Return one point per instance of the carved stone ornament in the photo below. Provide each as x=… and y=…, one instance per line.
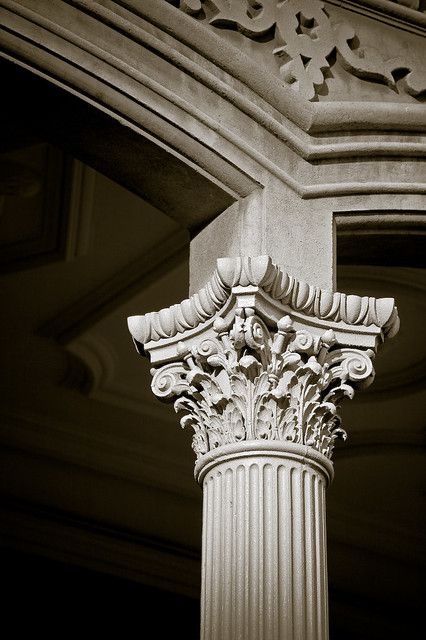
x=257, y=355
x=309, y=43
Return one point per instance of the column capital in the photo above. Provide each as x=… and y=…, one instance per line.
x=259, y=355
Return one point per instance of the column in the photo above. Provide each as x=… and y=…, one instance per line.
x=264, y=542
x=257, y=364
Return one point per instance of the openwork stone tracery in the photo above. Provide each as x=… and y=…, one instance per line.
x=308, y=43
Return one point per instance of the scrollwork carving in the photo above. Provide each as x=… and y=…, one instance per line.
x=237, y=371
x=308, y=43
x=250, y=383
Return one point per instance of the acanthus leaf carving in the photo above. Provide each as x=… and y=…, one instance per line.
x=258, y=355
x=248, y=383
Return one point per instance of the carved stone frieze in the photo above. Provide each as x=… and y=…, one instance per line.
x=244, y=359
x=308, y=43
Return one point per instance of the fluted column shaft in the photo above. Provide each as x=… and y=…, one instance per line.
x=264, y=567
x=258, y=364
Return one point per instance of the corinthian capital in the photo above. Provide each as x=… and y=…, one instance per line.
x=258, y=355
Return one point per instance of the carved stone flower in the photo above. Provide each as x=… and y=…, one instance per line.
x=250, y=366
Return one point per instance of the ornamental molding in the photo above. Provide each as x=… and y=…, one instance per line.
x=308, y=43
x=49, y=42
x=257, y=355
x=411, y=4
x=406, y=14
x=57, y=192
x=259, y=283
x=252, y=384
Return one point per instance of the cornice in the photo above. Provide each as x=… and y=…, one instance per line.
x=392, y=12
x=305, y=37
x=383, y=221
x=233, y=274
x=309, y=117
x=315, y=131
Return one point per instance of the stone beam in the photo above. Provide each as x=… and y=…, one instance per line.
x=297, y=234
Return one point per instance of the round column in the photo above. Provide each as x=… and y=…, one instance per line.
x=264, y=564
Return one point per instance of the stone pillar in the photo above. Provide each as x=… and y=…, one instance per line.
x=258, y=364
x=264, y=571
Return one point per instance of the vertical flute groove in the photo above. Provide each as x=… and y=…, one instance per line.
x=291, y=553
x=304, y=589
x=247, y=567
x=314, y=623
x=253, y=546
x=261, y=551
x=270, y=543
x=318, y=556
x=324, y=572
x=233, y=563
x=218, y=565
x=264, y=551
x=239, y=556
x=309, y=556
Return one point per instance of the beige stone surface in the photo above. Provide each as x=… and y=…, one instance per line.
x=311, y=160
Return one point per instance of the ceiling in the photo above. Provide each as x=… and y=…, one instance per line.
x=97, y=473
